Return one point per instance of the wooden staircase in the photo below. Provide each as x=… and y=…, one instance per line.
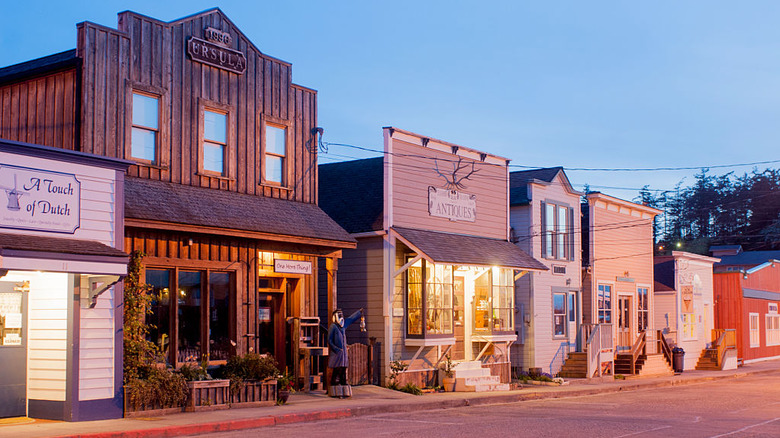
x=655, y=365
x=708, y=360
x=576, y=366
x=623, y=363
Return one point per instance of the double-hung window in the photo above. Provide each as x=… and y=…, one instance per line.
x=557, y=231
x=145, y=133
x=773, y=330
x=605, y=304
x=559, y=314
x=755, y=334
x=275, y=154
x=214, y=141
x=642, y=308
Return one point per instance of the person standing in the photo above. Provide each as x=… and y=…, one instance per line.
x=338, y=360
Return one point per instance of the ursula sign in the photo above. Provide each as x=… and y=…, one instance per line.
x=453, y=205
x=39, y=200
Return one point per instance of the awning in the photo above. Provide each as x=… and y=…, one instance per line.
x=26, y=252
x=458, y=249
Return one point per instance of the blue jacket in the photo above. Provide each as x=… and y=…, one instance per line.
x=337, y=342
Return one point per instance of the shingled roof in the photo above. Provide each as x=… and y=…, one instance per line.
x=518, y=182
x=59, y=245
x=182, y=204
x=469, y=250
x=352, y=193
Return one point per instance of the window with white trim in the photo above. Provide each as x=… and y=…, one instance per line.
x=559, y=314
x=429, y=299
x=214, y=141
x=557, y=233
x=755, y=334
x=145, y=132
x=643, y=313
x=605, y=304
x=688, y=327
x=773, y=330
x=275, y=154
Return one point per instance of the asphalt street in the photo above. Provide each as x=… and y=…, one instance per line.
x=744, y=407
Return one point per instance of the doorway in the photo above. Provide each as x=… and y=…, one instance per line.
x=459, y=309
x=277, y=301
x=624, y=324
x=13, y=349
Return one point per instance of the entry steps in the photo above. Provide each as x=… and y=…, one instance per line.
x=471, y=377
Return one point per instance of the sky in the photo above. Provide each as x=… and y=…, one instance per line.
x=583, y=85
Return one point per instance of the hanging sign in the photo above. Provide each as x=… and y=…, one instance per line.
x=452, y=205
x=39, y=200
x=292, y=266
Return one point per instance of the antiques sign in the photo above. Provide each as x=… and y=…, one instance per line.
x=452, y=205
x=292, y=266
x=40, y=200
x=215, y=53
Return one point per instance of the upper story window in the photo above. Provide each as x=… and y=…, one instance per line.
x=557, y=231
x=275, y=154
x=214, y=141
x=146, y=127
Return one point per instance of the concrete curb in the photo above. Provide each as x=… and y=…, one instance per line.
x=363, y=411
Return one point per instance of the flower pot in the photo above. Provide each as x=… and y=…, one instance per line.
x=448, y=383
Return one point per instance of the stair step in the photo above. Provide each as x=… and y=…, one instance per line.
x=458, y=373
x=491, y=387
x=482, y=380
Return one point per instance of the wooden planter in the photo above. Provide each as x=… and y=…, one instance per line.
x=254, y=393
x=207, y=395
x=145, y=410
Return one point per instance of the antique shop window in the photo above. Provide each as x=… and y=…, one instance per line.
x=214, y=141
x=642, y=308
x=429, y=289
x=604, y=304
x=557, y=231
x=755, y=334
x=146, y=127
x=275, y=154
x=773, y=330
x=493, y=300
x=559, y=314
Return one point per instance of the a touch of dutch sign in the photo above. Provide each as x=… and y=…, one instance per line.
x=39, y=200
x=292, y=266
x=452, y=205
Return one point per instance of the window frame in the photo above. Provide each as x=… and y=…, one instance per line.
x=229, y=153
x=558, y=239
x=599, y=308
x=286, y=125
x=642, y=308
x=424, y=309
x=772, y=329
x=162, y=144
x=754, y=330
x=564, y=316
x=689, y=327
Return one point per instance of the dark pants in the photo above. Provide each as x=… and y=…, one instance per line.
x=338, y=374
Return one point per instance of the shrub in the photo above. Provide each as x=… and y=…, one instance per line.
x=251, y=366
x=411, y=388
x=156, y=388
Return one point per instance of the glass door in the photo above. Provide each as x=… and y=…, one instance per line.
x=13, y=349
x=624, y=323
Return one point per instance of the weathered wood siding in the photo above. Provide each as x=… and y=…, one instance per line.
x=41, y=110
x=148, y=54
x=412, y=175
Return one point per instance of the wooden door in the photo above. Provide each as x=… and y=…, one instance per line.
x=624, y=323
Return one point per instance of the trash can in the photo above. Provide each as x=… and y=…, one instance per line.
x=678, y=359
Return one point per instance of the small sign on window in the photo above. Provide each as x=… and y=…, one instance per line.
x=773, y=308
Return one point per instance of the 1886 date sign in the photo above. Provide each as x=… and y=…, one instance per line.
x=215, y=53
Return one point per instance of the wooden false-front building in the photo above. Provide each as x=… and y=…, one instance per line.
x=221, y=195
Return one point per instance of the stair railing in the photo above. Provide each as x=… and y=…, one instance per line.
x=724, y=339
x=664, y=346
x=637, y=350
x=599, y=347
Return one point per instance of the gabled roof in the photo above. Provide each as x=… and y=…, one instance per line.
x=181, y=204
x=352, y=193
x=518, y=183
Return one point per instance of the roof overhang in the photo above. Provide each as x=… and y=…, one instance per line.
x=51, y=254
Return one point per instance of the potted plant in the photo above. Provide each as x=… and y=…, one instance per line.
x=284, y=384
x=447, y=374
x=206, y=393
x=252, y=378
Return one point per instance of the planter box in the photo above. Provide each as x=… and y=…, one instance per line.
x=207, y=395
x=253, y=393
x=145, y=409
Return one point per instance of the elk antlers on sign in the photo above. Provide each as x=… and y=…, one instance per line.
x=453, y=180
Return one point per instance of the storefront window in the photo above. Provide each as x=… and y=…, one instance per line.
x=159, y=320
x=482, y=300
x=429, y=299
x=493, y=300
x=189, y=299
x=219, y=316
x=688, y=326
x=559, y=314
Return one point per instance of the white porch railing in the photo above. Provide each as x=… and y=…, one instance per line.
x=599, y=347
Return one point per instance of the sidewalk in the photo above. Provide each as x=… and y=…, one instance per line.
x=367, y=400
